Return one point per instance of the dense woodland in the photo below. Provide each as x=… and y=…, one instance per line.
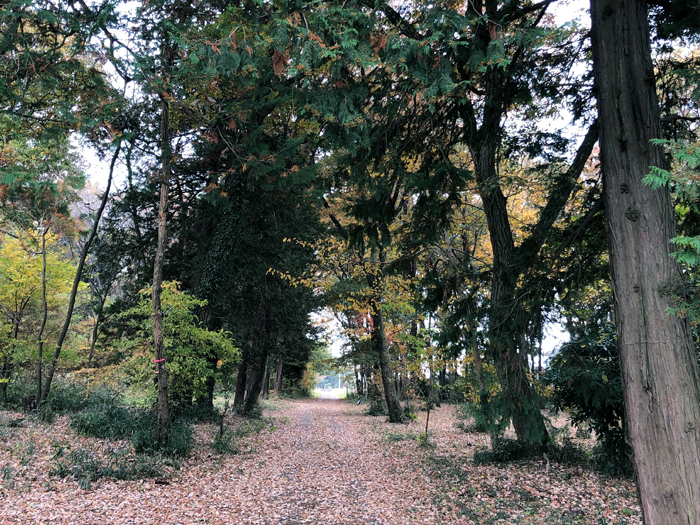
x=443, y=181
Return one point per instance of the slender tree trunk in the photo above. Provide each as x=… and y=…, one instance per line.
x=5, y=376
x=358, y=381
x=659, y=365
x=278, y=375
x=45, y=314
x=76, y=281
x=241, y=377
x=163, y=422
x=478, y=365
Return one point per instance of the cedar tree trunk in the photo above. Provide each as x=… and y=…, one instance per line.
x=659, y=365
x=45, y=315
x=242, y=375
x=251, y=400
x=381, y=347
x=163, y=421
x=507, y=320
x=278, y=375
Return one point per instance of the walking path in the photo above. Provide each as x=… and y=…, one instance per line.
x=317, y=461
x=320, y=465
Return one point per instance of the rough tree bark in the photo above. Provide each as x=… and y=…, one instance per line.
x=381, y=347
x=163, y=419
x=659, y=367
x=279, y=364
x=507, y=320
x=251, y=400
x=242, y=376
x=265, y=394
x=45, y=312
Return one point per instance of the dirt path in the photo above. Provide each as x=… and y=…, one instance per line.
x=316, y=462
x=319, y=465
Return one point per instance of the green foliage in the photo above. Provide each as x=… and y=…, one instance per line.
x=190, y=349
x=223, y=443
x=86, y=465
x=489, y=415
x=106, y=422
x=377, y=407
x=586, y=380
x=67, y=396
x=180, y=440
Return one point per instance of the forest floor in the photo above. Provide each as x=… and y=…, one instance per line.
x=314, y=461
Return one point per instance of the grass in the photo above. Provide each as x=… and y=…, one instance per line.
x=86, y=465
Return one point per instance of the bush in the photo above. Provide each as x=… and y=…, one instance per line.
x=118, y=422
x=377, y=407
x=223, y=443
x=488, y=416
x=586, y=380
x=504, y=450
x=86, y=465
x=179, y=444
x=66, y=396
x=106, y=422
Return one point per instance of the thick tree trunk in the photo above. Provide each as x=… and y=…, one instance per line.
x=507, y=320
x=241, y=377
x=659, y=366
x=265, y=394
x=251, y=400
x=381, y=347
x=279, y=365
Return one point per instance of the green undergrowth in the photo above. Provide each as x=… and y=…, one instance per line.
x=116, y=422
x=227, y=441
x=89, y=464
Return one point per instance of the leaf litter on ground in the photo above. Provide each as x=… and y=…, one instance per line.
x=314, y=461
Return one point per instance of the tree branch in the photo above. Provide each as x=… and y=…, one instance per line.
x=558, y=197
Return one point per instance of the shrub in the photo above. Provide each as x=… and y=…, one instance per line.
x=377, y=407
x=118, y=422
x=86, y=465
x=106, y=422
x=223, y=443
x=179, y=444
x=586, y=380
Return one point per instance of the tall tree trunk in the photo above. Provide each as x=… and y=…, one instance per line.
x=163, y=422
x=96, y=330
x=358, y=380
x=478, y=365
x=45, y=313
x=242, y=376
x=506, y=322
x=251, y=400
x=265, y=394
x=381, y=347
x=659, y=366
x=279, y=365
x=76, y=280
